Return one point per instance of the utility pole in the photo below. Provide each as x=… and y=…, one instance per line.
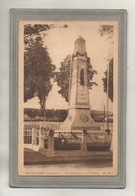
x=107, y=92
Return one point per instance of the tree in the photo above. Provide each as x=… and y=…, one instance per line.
x=109, y=89
x=36, y=29
x=108, y=31
x=38, y=71
x=63, y=76
x=38, y=68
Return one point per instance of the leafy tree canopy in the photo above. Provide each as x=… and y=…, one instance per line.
x=108, y=88
x=38, y=67
x=38, y=71
x=63, y=76
x=38, y=28
x=108, y=31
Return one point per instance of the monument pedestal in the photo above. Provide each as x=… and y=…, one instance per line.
x=79, y=119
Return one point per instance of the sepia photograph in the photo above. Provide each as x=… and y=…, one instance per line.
x=68, y=98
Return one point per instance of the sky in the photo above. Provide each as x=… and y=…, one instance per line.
x=60, y=43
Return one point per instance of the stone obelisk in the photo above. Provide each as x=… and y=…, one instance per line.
x=79, y=117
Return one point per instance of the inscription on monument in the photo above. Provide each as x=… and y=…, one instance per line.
x=82, y=95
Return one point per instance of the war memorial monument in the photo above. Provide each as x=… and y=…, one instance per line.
x=79, y=138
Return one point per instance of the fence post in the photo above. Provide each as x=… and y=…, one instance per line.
x=50, y=151
x=83, y=143
x=41, y=140
x=33, y=136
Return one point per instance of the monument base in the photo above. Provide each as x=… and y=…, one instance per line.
x=79, y=119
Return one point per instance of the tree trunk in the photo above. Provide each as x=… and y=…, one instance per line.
x=43, y=110
x=44, y=116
